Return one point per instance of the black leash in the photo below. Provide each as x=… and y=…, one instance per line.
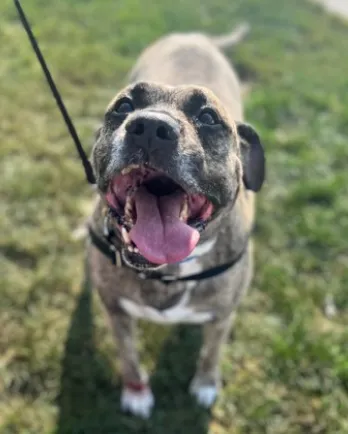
x=110, y=251
x=86, y=164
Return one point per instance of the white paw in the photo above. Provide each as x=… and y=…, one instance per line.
x=205, y=395
x=139, y=403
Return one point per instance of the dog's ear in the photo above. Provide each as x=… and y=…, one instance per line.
x=253, y=157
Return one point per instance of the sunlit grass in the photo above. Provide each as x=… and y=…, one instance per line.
x=286, y=369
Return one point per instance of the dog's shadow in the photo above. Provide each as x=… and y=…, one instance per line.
x=89, y=398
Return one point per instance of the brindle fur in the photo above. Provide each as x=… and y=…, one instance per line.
x=183, y=61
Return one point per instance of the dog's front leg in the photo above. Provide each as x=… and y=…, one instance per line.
x=206, y=382
x=136, y=394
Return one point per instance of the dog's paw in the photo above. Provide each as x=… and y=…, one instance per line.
x=137, y=401
x=205, y=394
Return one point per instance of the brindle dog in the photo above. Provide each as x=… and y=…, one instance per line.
x=176, y=169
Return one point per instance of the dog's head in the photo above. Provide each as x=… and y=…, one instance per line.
x=169, y=161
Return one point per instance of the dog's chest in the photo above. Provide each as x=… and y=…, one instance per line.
x=182, y=311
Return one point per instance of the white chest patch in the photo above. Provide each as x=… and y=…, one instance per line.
x=180, y=313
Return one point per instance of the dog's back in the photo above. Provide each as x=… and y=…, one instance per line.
x=194, y=58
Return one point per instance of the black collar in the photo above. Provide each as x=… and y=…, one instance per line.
x=105, y=246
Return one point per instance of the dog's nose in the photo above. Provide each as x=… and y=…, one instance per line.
x=153, y=130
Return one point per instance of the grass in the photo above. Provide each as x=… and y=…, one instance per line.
x=286, y=366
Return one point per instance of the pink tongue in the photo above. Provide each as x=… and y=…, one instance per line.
x=159, y=234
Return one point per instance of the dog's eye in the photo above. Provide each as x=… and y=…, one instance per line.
x=208, y=117
x=124, y=106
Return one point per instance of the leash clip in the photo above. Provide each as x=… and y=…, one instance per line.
x=165, y=278
x=168, y=278
x=142, y=276
x=106, y=231
x=117, y=259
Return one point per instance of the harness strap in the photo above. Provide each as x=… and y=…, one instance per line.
x=106, y=247
x=111, y=252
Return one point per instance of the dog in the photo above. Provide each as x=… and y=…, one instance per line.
x=177, y=169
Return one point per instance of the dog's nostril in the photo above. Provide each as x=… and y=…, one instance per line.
x=163, y=133
x=139, y=129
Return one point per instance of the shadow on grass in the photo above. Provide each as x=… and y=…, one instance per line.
x=89, y=400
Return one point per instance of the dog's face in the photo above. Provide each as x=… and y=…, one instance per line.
x=169, y=161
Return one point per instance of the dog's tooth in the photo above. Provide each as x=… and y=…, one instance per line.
x=126, y=170
x=205, y=207
x=130, y=248
x=184, y=210
x=135, y=250
x=129, y=168
x=125, y=235
x=128, y=208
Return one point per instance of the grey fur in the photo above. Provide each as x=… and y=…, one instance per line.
x=169, y=71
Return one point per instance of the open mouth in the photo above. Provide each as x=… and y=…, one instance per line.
x=159, y=220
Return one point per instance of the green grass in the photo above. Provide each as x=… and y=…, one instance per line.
x=286, y=367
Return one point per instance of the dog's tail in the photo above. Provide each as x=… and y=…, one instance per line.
x=231, y=39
